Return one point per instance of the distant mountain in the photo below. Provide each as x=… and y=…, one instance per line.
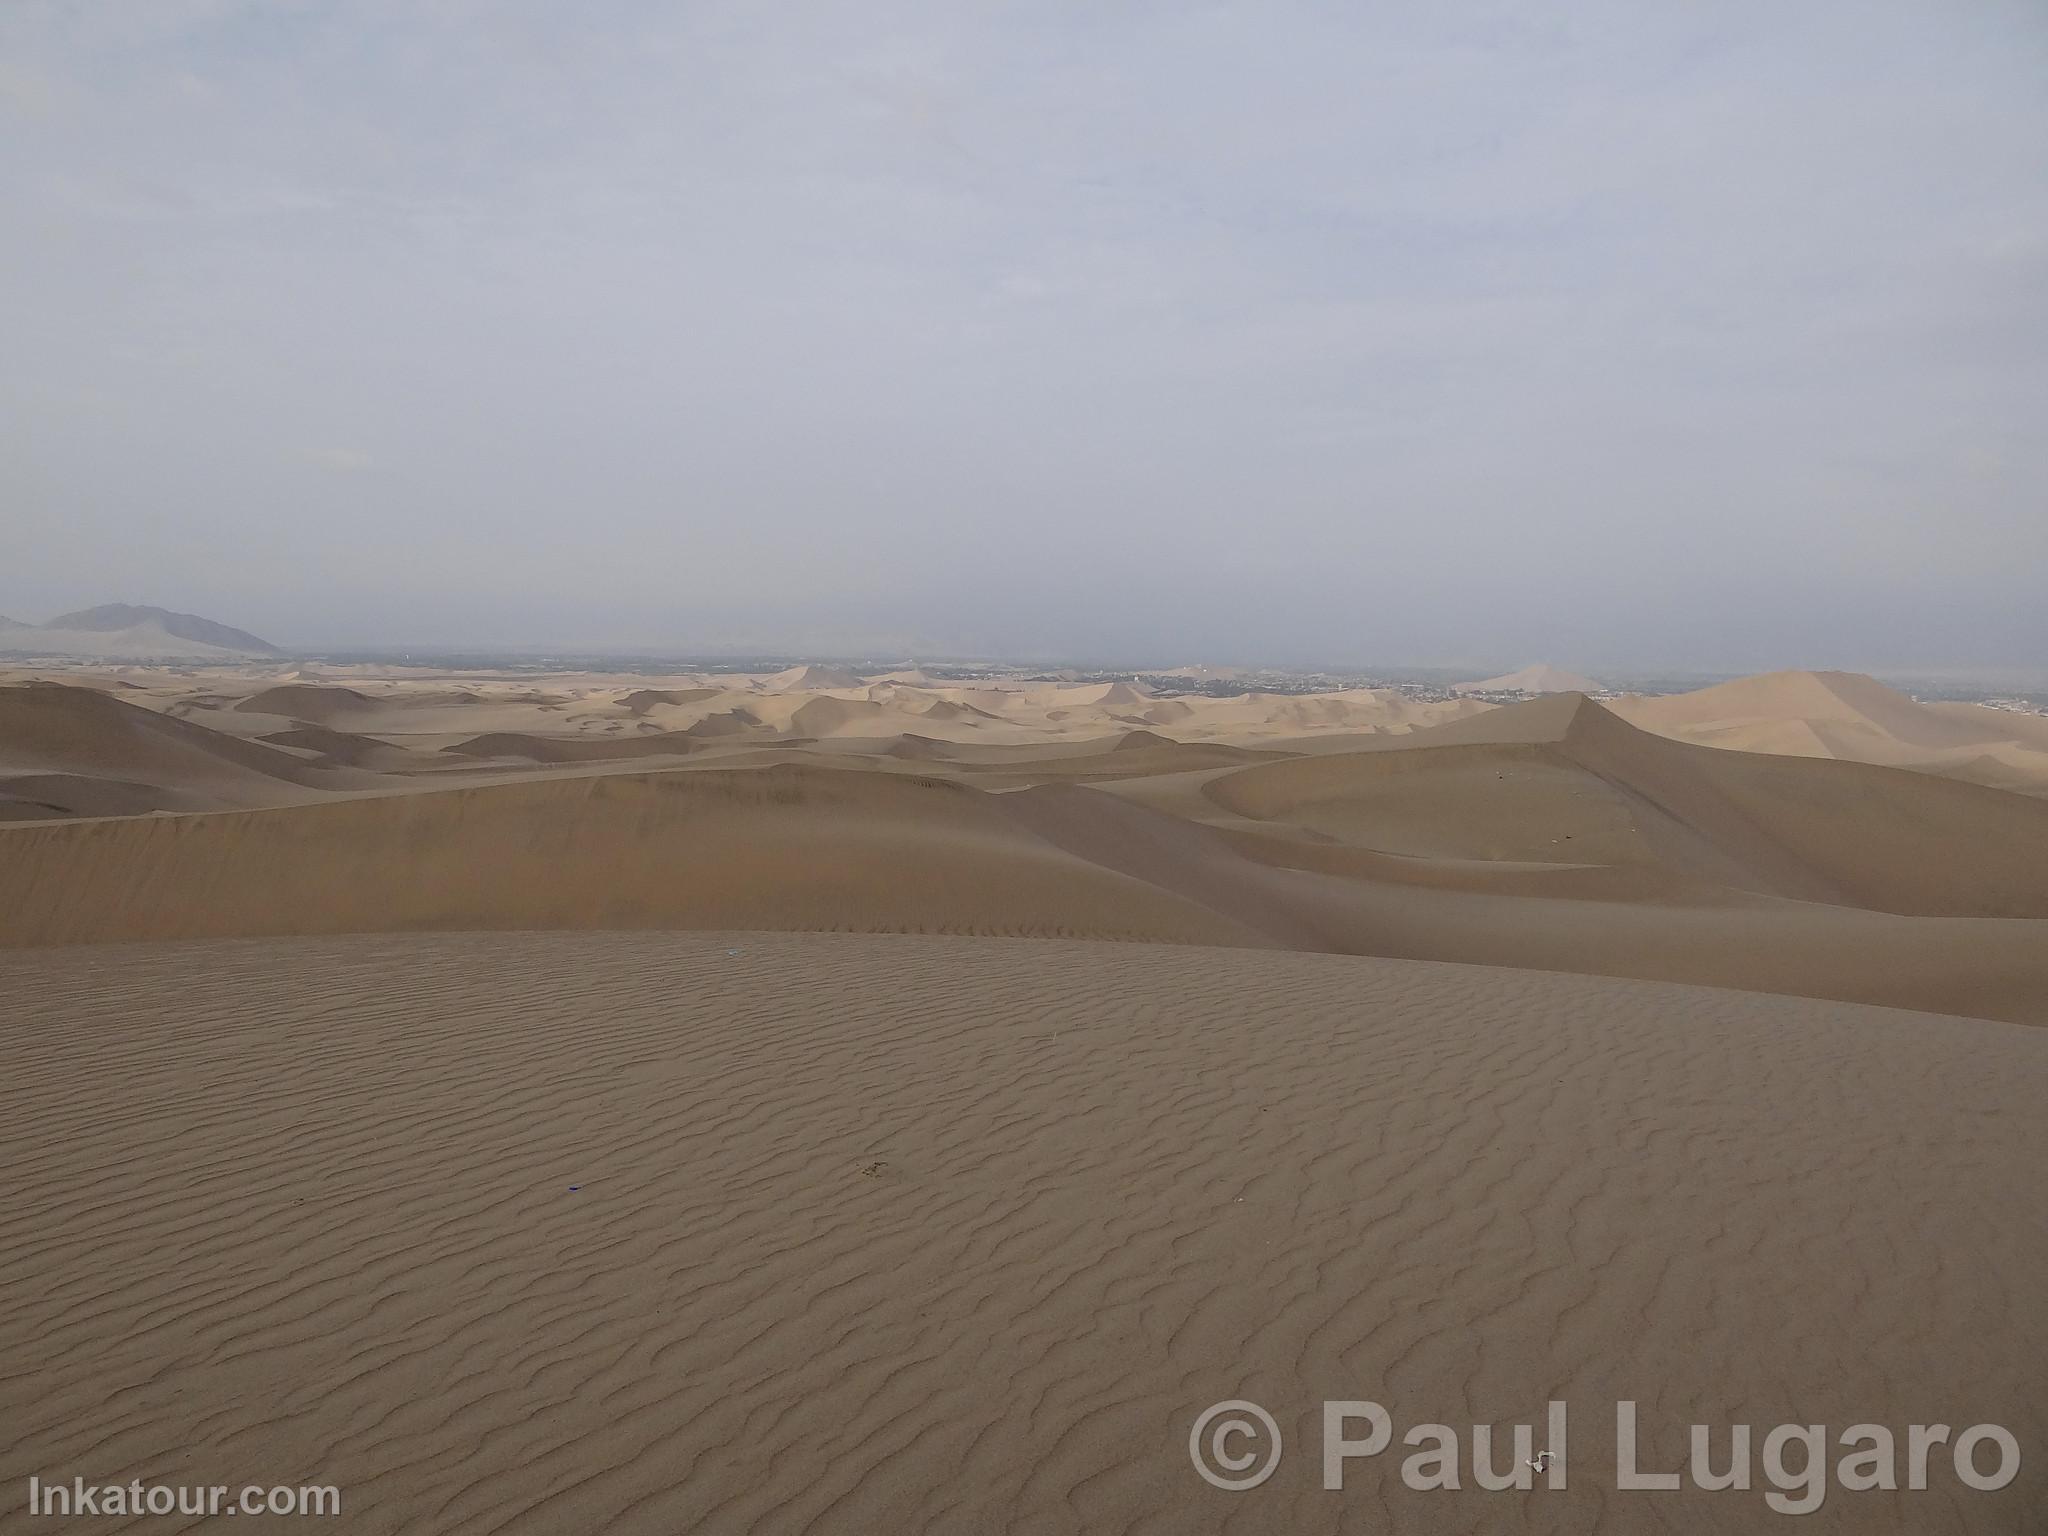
x=1541, y=678
x=127, y=632
x=112, y=617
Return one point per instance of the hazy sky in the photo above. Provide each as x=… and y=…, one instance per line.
x=1667, y=333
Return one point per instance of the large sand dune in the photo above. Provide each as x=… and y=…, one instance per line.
x=786, y=847
x=787, y=1233
x=82, y=751
x=1526, y=780
x=1845, y=715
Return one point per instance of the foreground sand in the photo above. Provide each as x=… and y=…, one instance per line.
x=877, y=1234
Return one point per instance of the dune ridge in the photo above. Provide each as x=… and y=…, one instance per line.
x=801, y=845
x=785, y=846
x=1545, y=834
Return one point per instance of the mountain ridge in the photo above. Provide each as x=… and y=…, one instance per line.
x=130, y=631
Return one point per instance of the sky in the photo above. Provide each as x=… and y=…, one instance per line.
x=1636, y=332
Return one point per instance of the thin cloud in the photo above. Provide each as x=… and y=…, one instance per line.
x=1082, y=328
x=342, y=461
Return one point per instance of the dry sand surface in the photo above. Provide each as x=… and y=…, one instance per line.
x=784, y=1232
x=323, y=989
x=1551, y=834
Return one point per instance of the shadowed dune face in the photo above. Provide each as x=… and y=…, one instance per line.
x=51, y=723
x=45, y=796
x=1563, y=780
x=343, y=747
x=95, y=754
x=730, y=722
x=551, y=749
x=1507, y=803
x=314, y=703
x=733, y=1232
x=641, y=700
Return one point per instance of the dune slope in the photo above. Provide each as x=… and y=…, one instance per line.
x=151, y=760
x=781, y=847
x=804, y=846
x=1850, y=716
x=1565, y=780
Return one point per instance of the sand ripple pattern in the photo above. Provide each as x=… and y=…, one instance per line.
x=888, y=1234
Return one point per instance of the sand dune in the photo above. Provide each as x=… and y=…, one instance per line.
x=915, y=677
x=1543, y=834
x=948, y=709
x=1998, y=724
x=1107, y=695
x=1846, y=715
x=641, y=700
x=827, y=716
x=1815, y=698
x=103, y=751
x=49, y=723
x=1137, y=741
x=752, y=1233
x=50, y=796
x=2021, y=771
x=1463, y=851
x=787, y=846
x=1561, y=779
x=1102, y=760
x=725, y=722
x=342, y=747
x=916, y=748
x=557, y=749
x=811, y=678
x=1366, y=710
x=316, y=703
